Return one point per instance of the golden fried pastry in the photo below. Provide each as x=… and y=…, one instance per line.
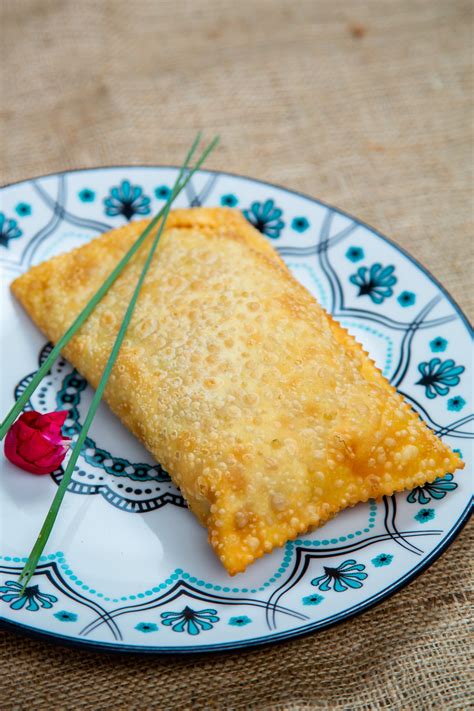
x=266, y=413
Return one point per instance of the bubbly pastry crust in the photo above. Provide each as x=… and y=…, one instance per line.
x=266, y=413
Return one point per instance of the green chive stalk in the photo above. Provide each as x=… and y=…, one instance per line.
x=90, y=306
x=30, y=565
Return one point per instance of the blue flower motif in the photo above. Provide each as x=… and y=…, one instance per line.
x=240, y=621
x=8, y=230
x=86, y=195
x=300, y=224
x=31, y=599
x=127, y=200
x=455, y=404
x=23, y=209
x=146, y=627
x=383, y=559
x=438, y=344
x=347, y=575
x=64, y=616
x=314, y=599
x=375, y=282
x=425, y=515
x=162, y=192
x=355, y=254
x=436, y=490
x=229, y=200
x=191, y=621
x=438, y=376
x=406, y=298
x=265, y=217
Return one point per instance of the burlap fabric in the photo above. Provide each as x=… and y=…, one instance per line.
x=367, y=105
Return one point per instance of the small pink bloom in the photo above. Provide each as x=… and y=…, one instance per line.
x=35, y=442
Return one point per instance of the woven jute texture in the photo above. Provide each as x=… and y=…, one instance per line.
x=366, y=105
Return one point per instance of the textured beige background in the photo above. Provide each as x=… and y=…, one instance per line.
x=365, y=104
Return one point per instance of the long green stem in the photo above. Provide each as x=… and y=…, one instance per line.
x=86, y=312
x=30, y=565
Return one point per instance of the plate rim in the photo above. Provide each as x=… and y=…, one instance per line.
x=259, y=642
x=88, y=645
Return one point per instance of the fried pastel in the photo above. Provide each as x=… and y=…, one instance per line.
x=267, y=414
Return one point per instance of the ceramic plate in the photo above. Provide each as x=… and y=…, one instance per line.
x=128, y=567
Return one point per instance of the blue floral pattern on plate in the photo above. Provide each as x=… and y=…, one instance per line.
x=240, y=621
x=23, y=209
x=8, y=230
x=146, y=627
x=456, y=404
x=65, y=616
x=347, y=575
x=425, y=515
x=86, y=195
x=266, y=218
x=438, y=344
x=31, y=599
x=406, y=298
x=229, y=200
x=127, y=200
x=299, y=224
x=313, y=599
x=436, y=490
x=439, y=376
x=355, y=254
x=375, y=282
x=162, y=192
x=382, y=560
x=191, y=621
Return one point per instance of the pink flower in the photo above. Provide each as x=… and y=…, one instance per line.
x=35, y=442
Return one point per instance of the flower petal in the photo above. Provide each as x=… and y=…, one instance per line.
x=347, y=564
x=125, y=189
x=377, y=298
x=169, y=617
x=32, y=605
x=20, y=603
x=325, y=586
x=422, y=498
x=352, y=583
x=179, y=626
x=193, y=629
x=137, y=191
x=339, y=585
x=203, y=624
x=266, y=209
x=9, y=584
x=8, y=597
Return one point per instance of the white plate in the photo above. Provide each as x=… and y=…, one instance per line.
x=127, y=567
